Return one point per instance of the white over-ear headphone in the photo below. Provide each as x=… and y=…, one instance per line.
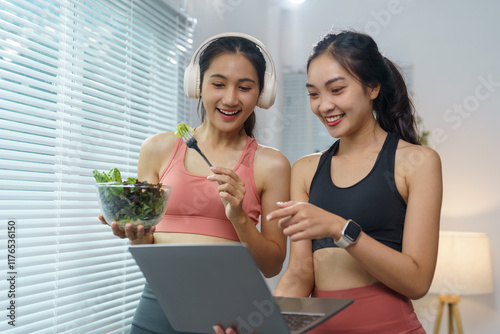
x=192, y=73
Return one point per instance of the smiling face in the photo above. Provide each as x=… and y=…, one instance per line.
x=230, y=90
x=339, y=100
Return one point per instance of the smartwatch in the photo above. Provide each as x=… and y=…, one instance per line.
x=350, y=234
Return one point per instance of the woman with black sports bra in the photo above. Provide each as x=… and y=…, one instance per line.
x=364, y=216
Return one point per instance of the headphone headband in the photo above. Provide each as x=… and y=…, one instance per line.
x=192, y=73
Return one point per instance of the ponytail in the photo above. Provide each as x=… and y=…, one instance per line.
x=358, y=54
x=393, y=107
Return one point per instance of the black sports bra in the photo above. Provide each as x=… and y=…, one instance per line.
x=374, y=202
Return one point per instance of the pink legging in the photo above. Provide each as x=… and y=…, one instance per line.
x=376, y=310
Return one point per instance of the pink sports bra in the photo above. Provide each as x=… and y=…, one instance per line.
x=195, y=206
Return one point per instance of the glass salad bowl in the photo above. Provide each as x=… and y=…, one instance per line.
x=137, y=203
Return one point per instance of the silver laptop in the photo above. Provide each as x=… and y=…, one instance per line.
x=200, y=285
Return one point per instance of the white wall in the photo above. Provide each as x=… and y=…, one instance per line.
x=454, y=49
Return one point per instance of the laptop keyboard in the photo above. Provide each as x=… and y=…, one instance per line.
x=296, y=321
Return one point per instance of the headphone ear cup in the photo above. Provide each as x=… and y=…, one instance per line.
x=192, y=80
x=268, y=94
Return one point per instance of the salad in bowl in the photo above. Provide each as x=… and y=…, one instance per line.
x=130, y=201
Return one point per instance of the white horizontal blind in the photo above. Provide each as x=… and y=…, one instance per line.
x=82, y=84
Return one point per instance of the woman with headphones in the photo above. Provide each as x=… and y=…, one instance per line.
x=222, y=203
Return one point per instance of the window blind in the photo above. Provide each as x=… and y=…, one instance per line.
x=82, y=84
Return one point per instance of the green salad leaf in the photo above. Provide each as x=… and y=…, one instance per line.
x=182, y=129
x=113, y=175
x=101, y=177
x=140, y=203
x=131, y=180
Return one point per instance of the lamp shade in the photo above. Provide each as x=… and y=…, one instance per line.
x=463, y=264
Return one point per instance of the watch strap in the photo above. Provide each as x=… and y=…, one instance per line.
x=342, y=242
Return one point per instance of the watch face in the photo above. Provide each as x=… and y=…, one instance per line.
x=352, y=231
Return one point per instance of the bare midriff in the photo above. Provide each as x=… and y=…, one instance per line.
x=184, y=238
x=335, y=269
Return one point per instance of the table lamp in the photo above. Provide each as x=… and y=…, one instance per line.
x=463, y=268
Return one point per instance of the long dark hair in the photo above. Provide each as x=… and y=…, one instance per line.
x=235, y=45
x=358, y=54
